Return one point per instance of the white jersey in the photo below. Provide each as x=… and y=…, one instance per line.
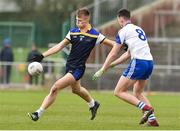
x=136, y=40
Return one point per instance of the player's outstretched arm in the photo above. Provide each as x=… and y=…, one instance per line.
x=125, y=56
x=111, y=56
x=39, y=57
x=109, y=42
x=56, y=48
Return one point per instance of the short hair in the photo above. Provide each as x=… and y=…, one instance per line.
x=124, y=13
x=82, y=11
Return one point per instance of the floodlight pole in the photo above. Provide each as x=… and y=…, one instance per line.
x=95, y=23
x=124, y=3
x=96, y=13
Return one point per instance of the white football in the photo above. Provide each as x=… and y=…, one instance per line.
x=35, y=68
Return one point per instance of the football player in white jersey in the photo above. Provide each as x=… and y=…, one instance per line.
x=138, y=70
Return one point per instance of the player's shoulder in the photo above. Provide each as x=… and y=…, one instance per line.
x=93, y=31
x=128, y=28
x=74, y=30
x=132, y=27
x=122, y=30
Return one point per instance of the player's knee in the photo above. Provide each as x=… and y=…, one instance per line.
x=118, y=93
x=75, y=90
x=54, y=89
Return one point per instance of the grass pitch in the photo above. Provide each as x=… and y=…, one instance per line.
x=69, y=112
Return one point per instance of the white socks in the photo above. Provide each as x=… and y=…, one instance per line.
x=151, y=117
x=40, y=111
x=91, y=103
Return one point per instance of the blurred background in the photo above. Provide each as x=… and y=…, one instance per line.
x=31, y=26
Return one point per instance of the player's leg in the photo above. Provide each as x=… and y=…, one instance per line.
x=36, y=80
x=125, y=82
x=137, y=91
x=84, y=94
x=81, y=91
x=60, y=84
x=8, y=74
x=121, y=90
x=30, y=79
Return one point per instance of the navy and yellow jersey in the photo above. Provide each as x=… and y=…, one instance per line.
x=82, y=45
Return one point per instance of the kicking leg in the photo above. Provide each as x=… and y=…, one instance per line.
x=60, y=84
x=84, y=94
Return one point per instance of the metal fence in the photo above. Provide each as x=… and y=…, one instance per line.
x=15, y=74
x=21, y=33
x=164, y=77
x=165, y=47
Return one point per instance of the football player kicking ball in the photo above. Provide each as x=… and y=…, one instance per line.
x=83, y=39
x=138, y=70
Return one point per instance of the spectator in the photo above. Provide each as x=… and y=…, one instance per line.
x=6, y=55
x=34, y=50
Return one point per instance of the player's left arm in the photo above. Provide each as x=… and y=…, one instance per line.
x=108, y=42
x=101, y=39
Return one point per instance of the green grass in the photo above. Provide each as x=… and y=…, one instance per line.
x=70, y=112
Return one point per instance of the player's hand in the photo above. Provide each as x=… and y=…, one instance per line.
x=37, y=57
x=98, y=74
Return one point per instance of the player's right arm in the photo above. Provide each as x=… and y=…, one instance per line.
x=53, y=50
x=56, y=48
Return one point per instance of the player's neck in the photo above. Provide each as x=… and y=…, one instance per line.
x=127, y=22
x=86, y=28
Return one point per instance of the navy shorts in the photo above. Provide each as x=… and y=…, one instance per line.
x=139, y=69
x=77, y=72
